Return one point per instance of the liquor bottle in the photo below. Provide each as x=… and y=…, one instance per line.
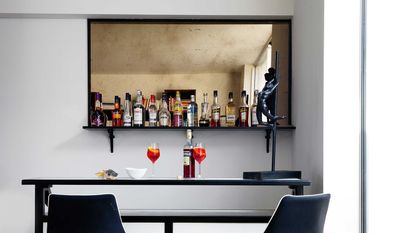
x=127, y=116
x=188, y=159
x=204, y=119
x=243, y=111
x=215, y=121
x=139, y=111
x=192, y=115
x=178, y=111
x=164, y=113
x=254, y=119
x=117, y=113
x=230, y=112
x=97, y=117
x=152, y=112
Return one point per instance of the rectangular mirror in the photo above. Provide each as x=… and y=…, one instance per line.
x=154, y=56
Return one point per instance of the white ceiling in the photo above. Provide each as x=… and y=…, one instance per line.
x=175, y=48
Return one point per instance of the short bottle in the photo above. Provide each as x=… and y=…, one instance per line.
x=192, y=114
x=164, y=113
x=254, y=119
x=230, y=111
x=117, y=113
x=243, y=111
x=152, y=112
x=127, y=114
x=97, y=117
x=204, y=117
x=178, y=111
x=215, y=120
x=139, y=111
x=188, y=159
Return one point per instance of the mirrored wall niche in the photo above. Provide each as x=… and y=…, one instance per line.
x=154, y=56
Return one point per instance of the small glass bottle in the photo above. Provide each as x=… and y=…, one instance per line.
x=127, y=115
x=243, y=111
x=164, y=113
x=152, y=112
x=230, y=111
x=117, y=113
x=254, y=119
x=204, y=118
x=178, y=111
x=215, y=121
x=97, y=117
x=192, y=115
x=188, y=159
x=139, y=111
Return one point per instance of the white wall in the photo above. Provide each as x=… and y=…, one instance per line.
x=307, y=91
x=43, y=77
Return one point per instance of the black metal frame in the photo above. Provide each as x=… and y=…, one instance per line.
x=43, y=189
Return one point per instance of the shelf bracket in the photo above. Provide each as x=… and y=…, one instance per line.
x=268, y=137
x=111, y=137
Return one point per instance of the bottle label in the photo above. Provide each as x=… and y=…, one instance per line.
x=153, y=116
x=127, y=120
x=138, y=116
x=230, y=118
x=186, y=161
x=97, y=104
x=190, y=119
x=243, y=116
x=253, y=117
x=177, y=119
x=163, y=120
x=216, y=115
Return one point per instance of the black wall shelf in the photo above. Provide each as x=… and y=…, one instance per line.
x=268, y=130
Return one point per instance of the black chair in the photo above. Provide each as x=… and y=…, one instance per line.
x=300, y=214
x=83, y=214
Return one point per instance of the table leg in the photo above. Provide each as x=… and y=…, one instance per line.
x=40, y=200
x=168, y=227
x=298, y=190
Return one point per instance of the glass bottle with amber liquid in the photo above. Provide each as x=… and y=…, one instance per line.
x=243, y=111
x=188, y=159
x=215, y=121
x=97, y=117
x=117, y=113
x=178, y=111
x=230, y=111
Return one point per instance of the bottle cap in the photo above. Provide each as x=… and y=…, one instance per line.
x=215, y=93
x=192, y=98
x=243, y=93
x=164, y=96
x=127, y=96
x=139, y=92
x=231, y=95
x=152, y=98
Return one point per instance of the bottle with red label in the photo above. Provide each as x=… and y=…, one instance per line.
x=188, y=159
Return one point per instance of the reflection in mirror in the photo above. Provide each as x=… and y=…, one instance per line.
x=126, y=56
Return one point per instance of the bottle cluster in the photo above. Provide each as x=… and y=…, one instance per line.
x=174, y=113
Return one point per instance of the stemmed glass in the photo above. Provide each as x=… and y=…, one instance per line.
x=153, y=153
x=199, y=153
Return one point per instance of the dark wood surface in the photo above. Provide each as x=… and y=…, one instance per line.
x=280, y=127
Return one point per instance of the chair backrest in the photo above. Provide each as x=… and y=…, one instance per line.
x=300, y=214
x=83, y=214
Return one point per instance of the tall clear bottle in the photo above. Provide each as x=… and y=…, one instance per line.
x=192, y=115
x=188, y=159
x=152, y=112
x=139, y=111
x=127, y=115
x=204, y=118
x=243, y=111
x=178, y=111
x=230, y=111
x=215, y=121
x=254, y=119
x=164, y=113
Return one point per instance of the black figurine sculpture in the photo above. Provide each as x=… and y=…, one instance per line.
x=266, y=98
